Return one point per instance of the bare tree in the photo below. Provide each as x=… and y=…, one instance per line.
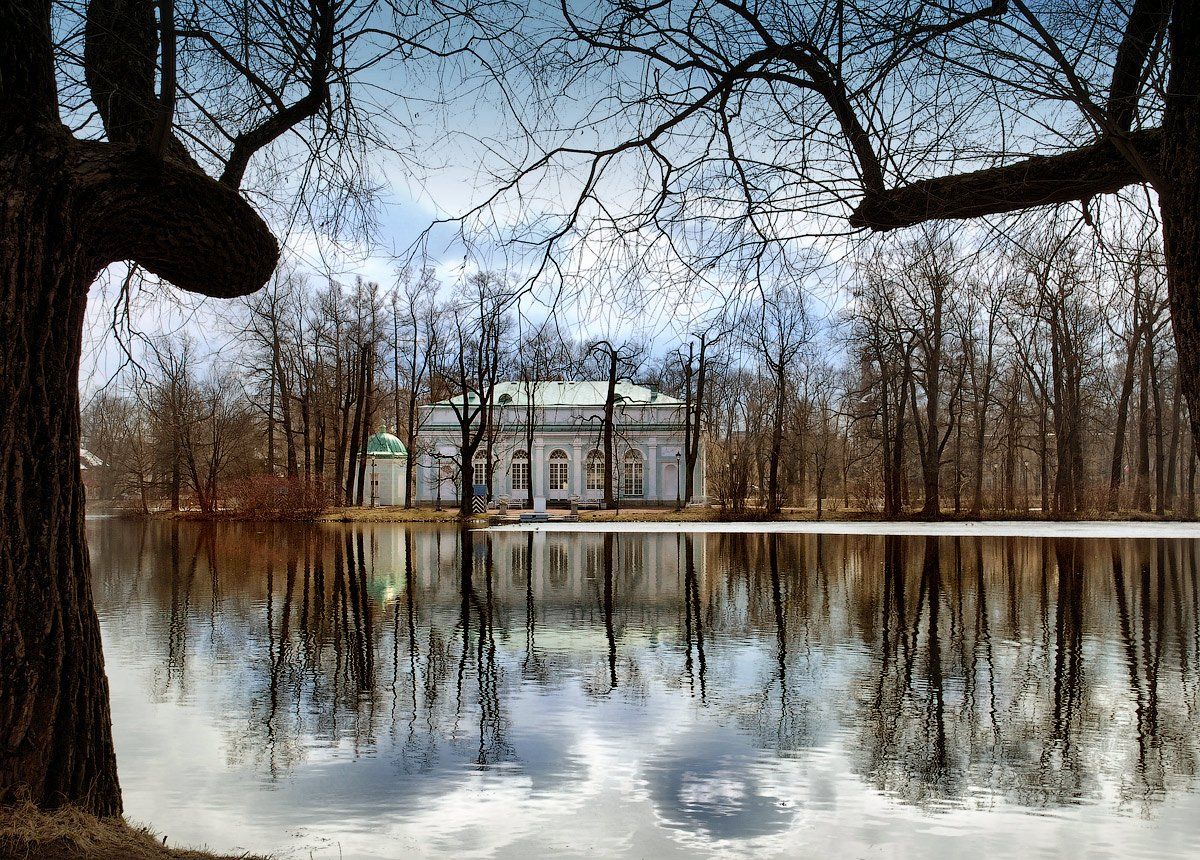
x=217, y=437
x=753, y=123
x=615, y=361
x=415, y=322
x=695, y=367
x=477, y=323
x=779, y=330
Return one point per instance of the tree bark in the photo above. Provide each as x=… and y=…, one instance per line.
x=55, y=733
x=1179, y=199
x=68, y=209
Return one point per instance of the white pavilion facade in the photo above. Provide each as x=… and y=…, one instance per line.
x=387, y=462
x=568, y=447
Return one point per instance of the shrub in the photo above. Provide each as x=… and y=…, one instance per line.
x=270, y=497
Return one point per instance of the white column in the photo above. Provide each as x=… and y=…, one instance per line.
x=577, y=470
x=537, y=469
x=651, y=476
x=500, y=477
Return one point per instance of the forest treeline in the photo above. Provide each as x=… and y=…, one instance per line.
x=1036, y=377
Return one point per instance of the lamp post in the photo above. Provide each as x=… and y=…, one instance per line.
x=678, y=478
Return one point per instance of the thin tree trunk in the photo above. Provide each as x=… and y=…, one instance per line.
x=368, y=409
x=1118, y=449
x=773, y=500
x=1173, y=453
x=355, y=431
x=411, y=441
x=1160, y=457
x=1141, y=486
x=610, y=402
x=285, y=414
x=271, y=424
x=1190, y=502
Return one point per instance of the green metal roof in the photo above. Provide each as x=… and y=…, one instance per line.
x=384, y=444
x=581, y=393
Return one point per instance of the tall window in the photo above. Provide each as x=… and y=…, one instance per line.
x=479, y=472
x=520, y=471
x=595, y=471
x=559, y=471
x=633, y=474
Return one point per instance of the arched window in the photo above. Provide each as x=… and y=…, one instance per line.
x=520, y=471
x=595, y=471
x=479, y=472
x=559, y=470
x=633, y=474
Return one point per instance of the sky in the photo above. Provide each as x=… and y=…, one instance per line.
x=446, y=134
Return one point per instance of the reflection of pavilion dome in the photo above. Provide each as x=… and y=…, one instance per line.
x=383, y=444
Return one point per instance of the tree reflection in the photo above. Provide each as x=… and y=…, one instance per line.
x=949, y=671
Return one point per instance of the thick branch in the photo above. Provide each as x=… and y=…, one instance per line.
x=1147, y=19
x=1038, y=181
x=120, y=50
x=171, y=219
x=27, y=87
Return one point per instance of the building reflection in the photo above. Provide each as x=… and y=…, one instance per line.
x=946, y=671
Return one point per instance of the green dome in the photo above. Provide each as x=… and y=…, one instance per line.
x=384, y=444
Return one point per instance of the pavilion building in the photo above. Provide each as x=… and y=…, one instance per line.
x=568, y=446
x=386, y=461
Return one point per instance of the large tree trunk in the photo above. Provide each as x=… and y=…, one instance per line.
x=68, y=209
x=1179, y=199
x=55, y=734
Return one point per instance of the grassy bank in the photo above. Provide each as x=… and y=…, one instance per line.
x=398, y=514
x=329, y=515
x=388, y=515
x=70, y=834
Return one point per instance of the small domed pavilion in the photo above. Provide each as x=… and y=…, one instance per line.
x=387, y=461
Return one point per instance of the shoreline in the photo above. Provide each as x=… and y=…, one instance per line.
x=725, y=520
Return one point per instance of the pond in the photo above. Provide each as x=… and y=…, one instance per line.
x=387, y=691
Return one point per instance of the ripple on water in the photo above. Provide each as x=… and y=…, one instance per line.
x=832, y=705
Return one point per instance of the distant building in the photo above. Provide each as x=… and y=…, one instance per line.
x=90, y=470
x=386, y=460
x=568, y=446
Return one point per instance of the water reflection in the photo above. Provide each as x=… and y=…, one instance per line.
x=380, y=690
